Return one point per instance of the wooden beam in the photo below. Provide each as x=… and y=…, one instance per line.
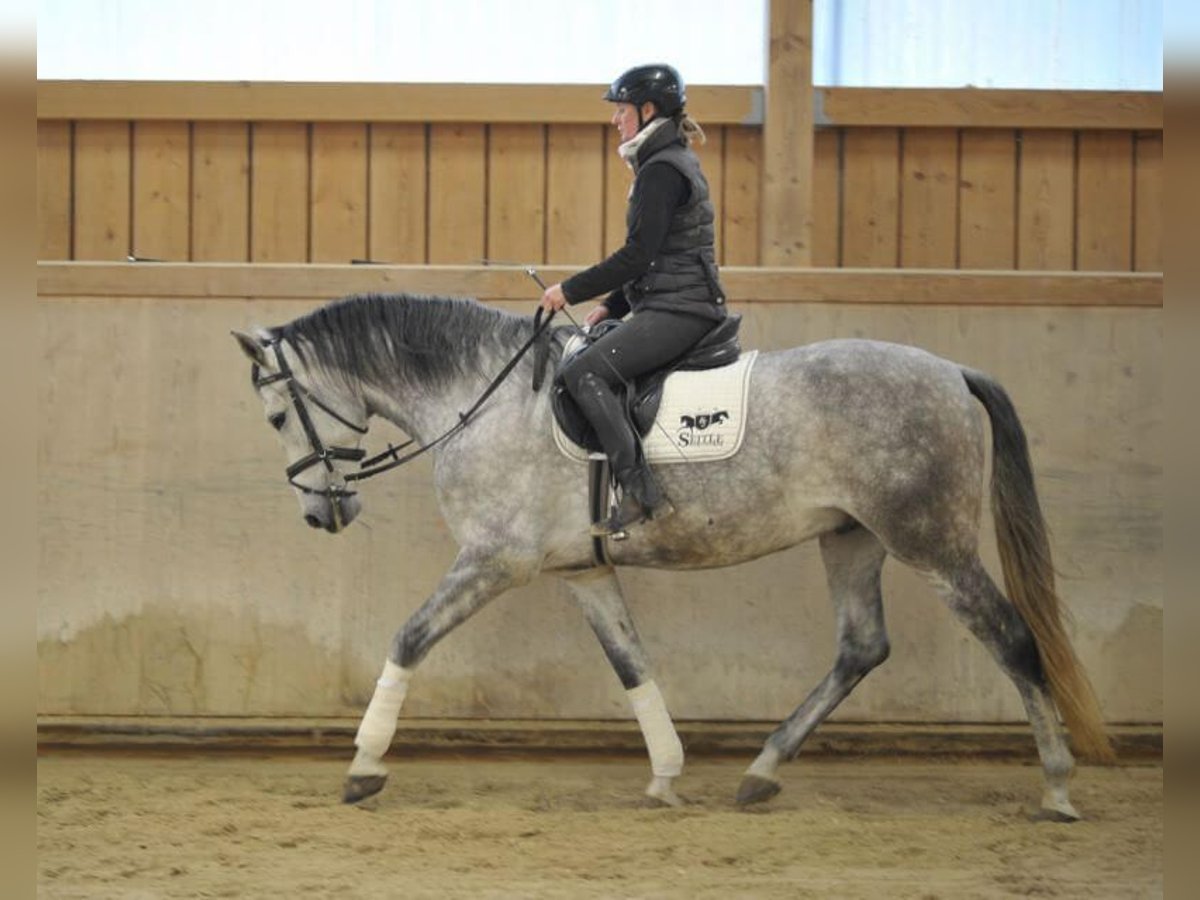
x=359, y=102
x=711, y=104
x=786, y=203
x=987, y=108
x=214, y=281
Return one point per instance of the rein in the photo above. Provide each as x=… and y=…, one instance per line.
x=322, y=454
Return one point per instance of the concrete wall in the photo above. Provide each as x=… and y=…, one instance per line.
x=176, y=576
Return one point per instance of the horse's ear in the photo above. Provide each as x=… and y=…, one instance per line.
x=252, y=348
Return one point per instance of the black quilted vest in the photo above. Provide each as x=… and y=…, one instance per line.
x=683, y=276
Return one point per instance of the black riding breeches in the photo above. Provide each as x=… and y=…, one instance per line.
x=646, y=341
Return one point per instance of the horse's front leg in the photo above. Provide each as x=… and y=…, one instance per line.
x=475, y=578
x=599, y=596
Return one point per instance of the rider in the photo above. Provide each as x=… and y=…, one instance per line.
x=665, y=274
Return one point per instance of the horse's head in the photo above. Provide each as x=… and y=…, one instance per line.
x=317, y=424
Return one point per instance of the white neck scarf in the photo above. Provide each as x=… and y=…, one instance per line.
x=628, y=150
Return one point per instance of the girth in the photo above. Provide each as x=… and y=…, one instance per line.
x=719, y=347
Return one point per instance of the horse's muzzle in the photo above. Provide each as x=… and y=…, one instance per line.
x=332, y=515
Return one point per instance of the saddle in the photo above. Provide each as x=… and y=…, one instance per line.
x=720, y=347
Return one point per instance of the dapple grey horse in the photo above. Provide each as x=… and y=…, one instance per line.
x=873, y=449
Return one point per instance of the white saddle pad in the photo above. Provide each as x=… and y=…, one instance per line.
x=702, y=417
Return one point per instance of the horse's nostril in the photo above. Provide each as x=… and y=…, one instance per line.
x=313, y=521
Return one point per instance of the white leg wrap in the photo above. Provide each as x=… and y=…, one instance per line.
x=379, y=722
x=666, y=752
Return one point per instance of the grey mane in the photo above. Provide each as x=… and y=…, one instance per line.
x=386, y=339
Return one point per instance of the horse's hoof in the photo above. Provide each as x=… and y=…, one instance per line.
x=1045, y=814
x=674, y=801
x=360, y=787
x=660, y=793
x=756, y=789
x=1056, y=806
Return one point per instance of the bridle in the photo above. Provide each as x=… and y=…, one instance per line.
x=375, y=465
x=319, y=452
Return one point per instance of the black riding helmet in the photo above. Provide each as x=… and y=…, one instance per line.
x=657, y=83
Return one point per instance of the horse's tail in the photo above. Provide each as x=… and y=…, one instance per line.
x=1029, y=571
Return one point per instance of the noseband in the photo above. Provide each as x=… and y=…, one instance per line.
x=320, y=453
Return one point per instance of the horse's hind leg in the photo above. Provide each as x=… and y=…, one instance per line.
x=599, y=596
x=853, y=562
x=970, y=592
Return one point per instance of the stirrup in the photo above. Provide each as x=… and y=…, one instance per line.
x=630, y=512
x=616, y=525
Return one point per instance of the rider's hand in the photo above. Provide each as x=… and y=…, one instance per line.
x=597, y=315
x=553, y=300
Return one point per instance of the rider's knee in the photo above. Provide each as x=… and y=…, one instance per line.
x=581, y=374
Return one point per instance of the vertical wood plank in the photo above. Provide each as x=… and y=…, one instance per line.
x=788, y=136
x=826, y=197
x=54, y=189
x=743, y=184
x=161, y=190
x=1046, y=200
x=987, y=200
x=870, y=197
x=279, y=192
x=1148, y=205
x=712, y=162
x=220, y=192
x=101, y=211
x=457, y=217
x=574, y=194
x=929, y=199
x=399, y=181
x=516, y=207
x=339, y=192
x=1104, y=204
x=618, y=179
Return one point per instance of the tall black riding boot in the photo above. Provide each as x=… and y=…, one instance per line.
x=641, y=497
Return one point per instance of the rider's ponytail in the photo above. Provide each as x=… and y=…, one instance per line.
x=689, y=128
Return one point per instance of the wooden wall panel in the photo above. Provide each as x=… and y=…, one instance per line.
x=871, y=197
x=987, y=227
x=279, y=185
x=220, y=192
x=162, y=157
x=457, y=176
x=827, y=198
x=929, y=198
x=516, y=205
x=574, y=194
x=339, y=192
x=1148, y=203
x=1046, y=201
x=618, y=179
x=712, y=162
x=1104, y=204
x=412, y=193
x=399, y=193
x=54, y=189
x=743, y=184
x=101, y=210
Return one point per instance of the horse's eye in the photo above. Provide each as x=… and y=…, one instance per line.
x=277, y=420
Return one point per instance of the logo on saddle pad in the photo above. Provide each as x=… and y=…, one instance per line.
x=701, y=418
x=689, y=425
